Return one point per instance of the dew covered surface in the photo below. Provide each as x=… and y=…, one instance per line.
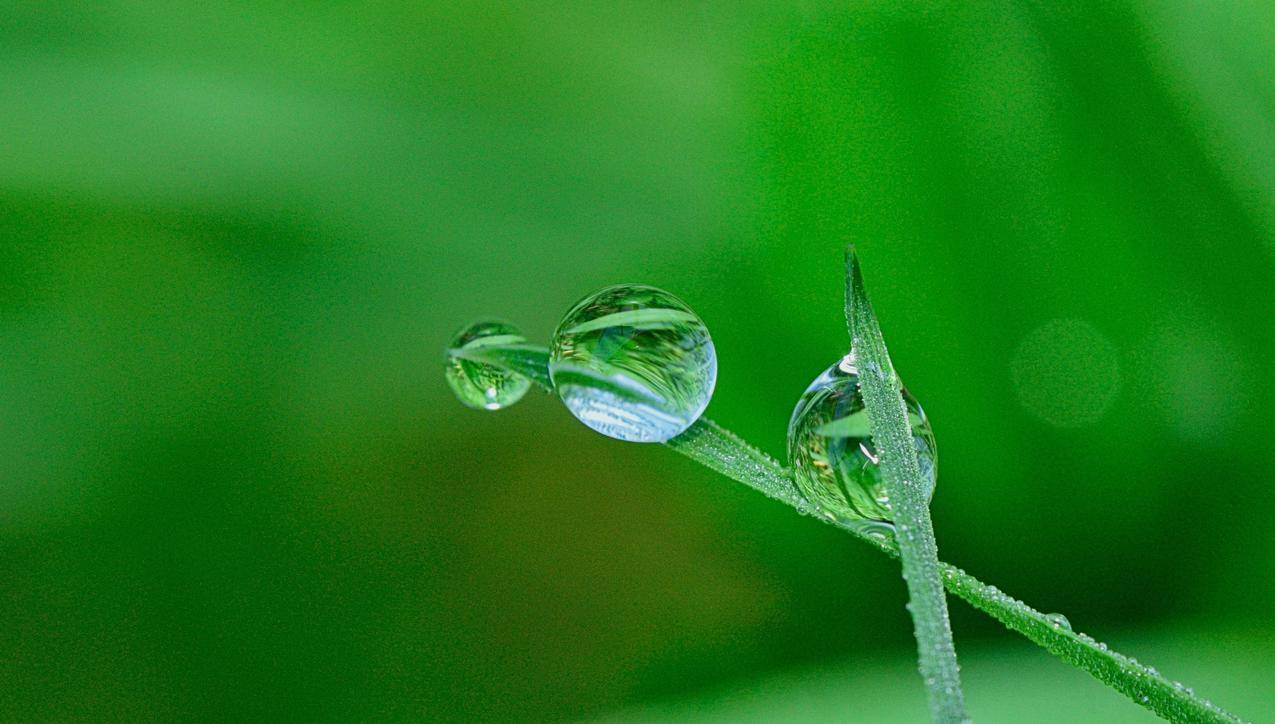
x=634, y=363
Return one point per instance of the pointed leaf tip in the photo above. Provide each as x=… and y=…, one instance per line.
x=855, y=294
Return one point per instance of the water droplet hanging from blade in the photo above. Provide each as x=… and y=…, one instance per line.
x=480, y=385
x=835, y=464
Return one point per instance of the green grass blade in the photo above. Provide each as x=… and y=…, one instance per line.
x=901, y=473
x=720, y=450
x=1143, y=684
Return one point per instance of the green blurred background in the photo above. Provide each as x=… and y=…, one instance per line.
x=235, y=238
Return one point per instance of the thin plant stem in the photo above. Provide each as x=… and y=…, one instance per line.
x=724, y=452
x=909, y=504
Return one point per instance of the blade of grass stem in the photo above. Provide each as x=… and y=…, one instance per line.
x=909, y=504
x=722, y=451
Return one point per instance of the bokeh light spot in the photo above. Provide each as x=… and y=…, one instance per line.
x=1066, y=373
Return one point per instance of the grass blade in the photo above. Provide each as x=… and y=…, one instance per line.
x=901, y=473
x=722, y=451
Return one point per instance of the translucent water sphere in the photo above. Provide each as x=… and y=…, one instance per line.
x=830, y=448
x=634, y=363
x=477, y=384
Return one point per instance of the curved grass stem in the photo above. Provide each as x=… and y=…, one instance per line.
x=722, y=451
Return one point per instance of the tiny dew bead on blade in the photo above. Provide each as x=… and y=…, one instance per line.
x=634, y=363
x=835, y=464
x=477, y=384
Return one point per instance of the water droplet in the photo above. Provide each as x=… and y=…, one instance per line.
x=831, y=451
x=479, y=385
x=634, y=363
x=1057, y=620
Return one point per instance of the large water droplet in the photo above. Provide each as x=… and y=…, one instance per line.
x=634, y=363
x=479, y=385
x=835, y=464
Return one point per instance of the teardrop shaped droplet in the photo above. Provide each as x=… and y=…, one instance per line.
x=835, y=464
x=633, y=362
x=1058, y=621
x=477, y=384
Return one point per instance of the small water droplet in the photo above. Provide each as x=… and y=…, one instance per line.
x=479, y=385
x=1058, y=621
x=634, y=363
x=830, y=447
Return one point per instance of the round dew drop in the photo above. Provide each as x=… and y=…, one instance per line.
x=835, y=465
x=634, y=363
x=477, y=384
